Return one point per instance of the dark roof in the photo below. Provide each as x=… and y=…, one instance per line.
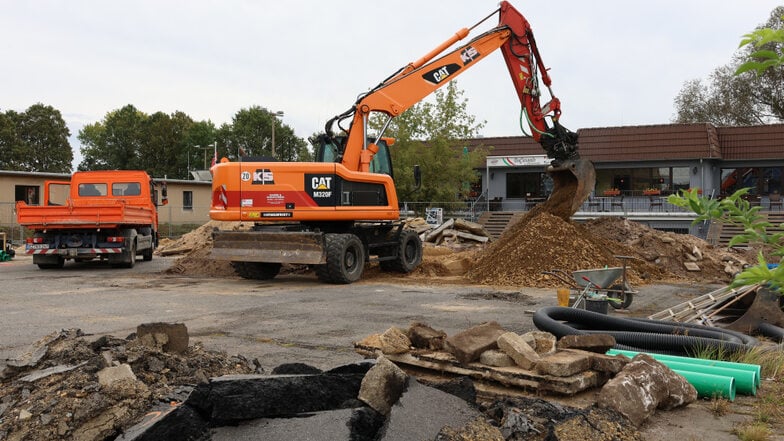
x=753, y=142
x=658, y=142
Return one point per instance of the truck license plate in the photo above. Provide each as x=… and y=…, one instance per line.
x=38, y=246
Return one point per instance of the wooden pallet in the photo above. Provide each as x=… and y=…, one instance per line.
x=698, y=309
x=512, y=377
x=720, y=234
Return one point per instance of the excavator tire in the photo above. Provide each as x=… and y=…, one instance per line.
x=408, y=254
x=345, y=259
x=256, y=270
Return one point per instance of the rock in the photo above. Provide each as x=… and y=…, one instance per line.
x=424, y=337
x=422, y=411
x=564, y=363
x=395, y=341
x=516, y=347
x=468, y=345
x=541, y=342
x=110, y=375
x=495, y=357
x=697, y=253
x=382, y=386
x=598, y=343
x=611, y=364
x=170, y=337
x=666, y=239
x=690, y=257
x=24, y=415
x=643, y=386
x=691, y=266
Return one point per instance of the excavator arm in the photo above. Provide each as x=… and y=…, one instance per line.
x=417, y=80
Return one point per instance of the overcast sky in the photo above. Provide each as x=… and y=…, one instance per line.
x=613, y=62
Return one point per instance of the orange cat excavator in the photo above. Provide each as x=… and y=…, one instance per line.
x=342, y=210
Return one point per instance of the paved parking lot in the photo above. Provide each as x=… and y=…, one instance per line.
x=292, y=318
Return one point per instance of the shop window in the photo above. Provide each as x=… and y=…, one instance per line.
x=521, y=185
x=187, y=200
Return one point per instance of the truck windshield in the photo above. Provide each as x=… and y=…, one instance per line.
x=98, y=189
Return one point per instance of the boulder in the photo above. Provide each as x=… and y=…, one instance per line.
x=468, y=345
x=642, y=386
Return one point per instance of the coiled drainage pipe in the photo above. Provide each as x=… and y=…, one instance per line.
x=641, y=335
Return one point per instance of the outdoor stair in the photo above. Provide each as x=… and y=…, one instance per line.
x=720, y=234
x=496, y=222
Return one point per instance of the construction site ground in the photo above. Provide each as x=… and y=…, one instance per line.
x=296, y=319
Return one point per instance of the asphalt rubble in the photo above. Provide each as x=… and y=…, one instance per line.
x=154, y=385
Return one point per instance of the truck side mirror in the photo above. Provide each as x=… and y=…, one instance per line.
x=417, y=177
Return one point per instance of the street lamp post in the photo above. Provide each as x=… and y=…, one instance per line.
x=275, y=116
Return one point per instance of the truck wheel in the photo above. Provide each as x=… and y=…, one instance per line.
x=345, y=259
x=130, y=259
x=147, y=255
x=256, y=270
x=408, y=251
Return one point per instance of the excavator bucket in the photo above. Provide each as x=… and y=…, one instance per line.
x=574, y=180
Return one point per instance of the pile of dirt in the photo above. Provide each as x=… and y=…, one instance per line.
x=56, y=393
x=196, y=246
x=545, y=242
x=542, y=242
x=538, y=242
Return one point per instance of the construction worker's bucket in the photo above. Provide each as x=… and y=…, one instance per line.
x=563, y=296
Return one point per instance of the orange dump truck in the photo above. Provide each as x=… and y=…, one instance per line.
x=109, y=215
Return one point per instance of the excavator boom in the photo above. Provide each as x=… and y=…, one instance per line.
x=409, y=85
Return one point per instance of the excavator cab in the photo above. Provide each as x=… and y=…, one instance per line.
x=330, y=149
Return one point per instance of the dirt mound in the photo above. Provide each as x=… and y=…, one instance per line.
x=544, y=242
x=541, y=242
x=70, y=403
x=196, y=246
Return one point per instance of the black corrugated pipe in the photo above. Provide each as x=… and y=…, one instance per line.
x=645, y=335
x=771, y=331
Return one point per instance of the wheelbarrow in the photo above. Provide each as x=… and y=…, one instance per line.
x=600, y=282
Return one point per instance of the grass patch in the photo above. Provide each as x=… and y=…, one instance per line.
x=754, y=431
x=719, y=406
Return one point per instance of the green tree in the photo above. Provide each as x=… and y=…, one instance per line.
x=115, y=143
x=9, y=143
x=250, y=133
x=37, y=140
x=748, y=98
x=164, y=143
x=432, y=134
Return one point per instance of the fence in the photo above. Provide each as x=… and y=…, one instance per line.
x=174, y=220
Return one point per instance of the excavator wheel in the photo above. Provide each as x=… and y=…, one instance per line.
x=408, y=254
x=256, y=270
x=345, y=259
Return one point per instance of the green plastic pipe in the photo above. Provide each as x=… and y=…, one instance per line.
x=744, y=380
x=710, y=386
x=700, y=361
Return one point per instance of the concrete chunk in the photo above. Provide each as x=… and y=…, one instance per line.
x=495, y=357
x=515, y=346
x=110, y=375
x=394, y=341
x=169, y=337
x=382, y=386
x=468, y=345
x=599, y=343
x=564, y=364
x=542, y=342
x=424, y=337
